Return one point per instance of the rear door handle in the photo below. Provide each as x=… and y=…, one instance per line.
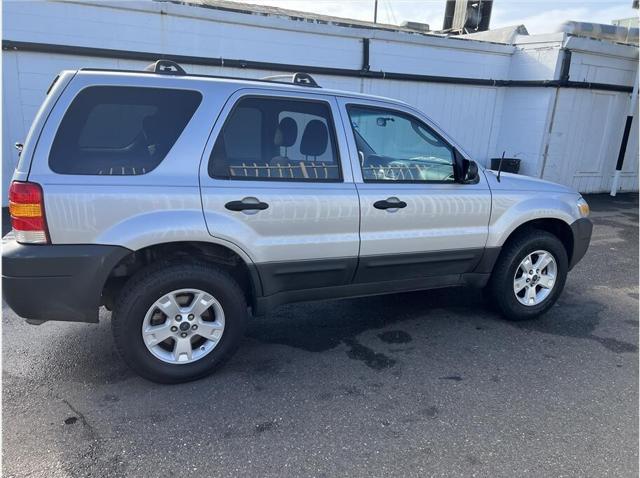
x=247, y=204
x=390, y=203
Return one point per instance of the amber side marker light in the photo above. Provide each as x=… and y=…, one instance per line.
x=583, y=207
x=26, y=206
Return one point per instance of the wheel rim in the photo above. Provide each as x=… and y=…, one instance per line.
x=183, y=326
x=535, y=278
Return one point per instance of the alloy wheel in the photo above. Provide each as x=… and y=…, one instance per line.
x=183, y=326
x=535, y=278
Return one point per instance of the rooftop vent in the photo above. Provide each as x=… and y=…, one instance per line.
x=467, y=16
x=602, y=32
x=417, y=26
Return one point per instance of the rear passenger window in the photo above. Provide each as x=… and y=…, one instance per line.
x=277, y=139
x=116, y=130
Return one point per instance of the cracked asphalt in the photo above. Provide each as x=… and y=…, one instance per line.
x=418, y=384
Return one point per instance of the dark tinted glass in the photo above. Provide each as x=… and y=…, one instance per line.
x=115, y=130
x=276, y=139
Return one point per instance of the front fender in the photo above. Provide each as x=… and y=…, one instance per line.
x=513, y=209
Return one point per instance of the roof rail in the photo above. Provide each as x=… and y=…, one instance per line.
x=300, y=79
x=166, y=67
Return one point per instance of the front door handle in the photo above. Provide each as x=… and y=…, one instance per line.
x=390, y=203
x=247, y=204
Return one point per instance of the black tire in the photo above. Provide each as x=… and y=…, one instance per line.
x=500, y=287
x=149, y=285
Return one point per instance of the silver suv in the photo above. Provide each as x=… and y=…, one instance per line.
x=182, y=202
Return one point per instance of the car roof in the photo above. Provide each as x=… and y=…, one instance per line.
x=246, y=82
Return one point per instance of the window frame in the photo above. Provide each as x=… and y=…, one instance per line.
x=454, y=151
x=333, y=139
x=54, y=133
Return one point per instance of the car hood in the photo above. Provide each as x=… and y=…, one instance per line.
x=515, y=182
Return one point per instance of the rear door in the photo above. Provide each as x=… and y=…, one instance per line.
x=416, y=220
x=276, y=181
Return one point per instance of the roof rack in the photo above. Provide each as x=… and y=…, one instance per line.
x=166, y=67
x=169, y=67
x=300, y=79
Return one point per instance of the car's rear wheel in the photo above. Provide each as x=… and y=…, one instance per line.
x=529, y=275
x=179, y=322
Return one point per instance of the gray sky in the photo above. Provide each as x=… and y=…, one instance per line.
x=539, y=16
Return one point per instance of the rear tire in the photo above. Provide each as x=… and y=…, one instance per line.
x=147, y=332
x=516, y=270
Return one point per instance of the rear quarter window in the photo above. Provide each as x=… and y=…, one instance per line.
x=117, y=130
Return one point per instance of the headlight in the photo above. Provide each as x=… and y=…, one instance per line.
x=583, y=207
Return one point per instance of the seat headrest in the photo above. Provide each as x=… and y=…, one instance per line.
x=314, y=139
x=286, y=133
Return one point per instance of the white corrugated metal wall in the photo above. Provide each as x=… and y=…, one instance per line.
x=588, y=125
x=485, y=119
x=584, y=147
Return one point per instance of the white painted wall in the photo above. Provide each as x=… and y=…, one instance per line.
x=537, y=57
x=585, y=140
x=485, y=120
x=523, y=124
x=585, y=135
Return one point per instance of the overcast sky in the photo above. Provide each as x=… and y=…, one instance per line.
x=539, y=16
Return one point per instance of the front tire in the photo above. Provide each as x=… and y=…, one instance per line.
x=174, y=323
x=529, y=275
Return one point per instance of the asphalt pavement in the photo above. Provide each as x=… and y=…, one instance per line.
x=418, y=384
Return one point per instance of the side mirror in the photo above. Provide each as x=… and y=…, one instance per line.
x=471, y=175
x=466, y=171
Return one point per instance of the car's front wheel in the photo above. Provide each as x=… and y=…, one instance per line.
x=529, y=275
x=179, y=322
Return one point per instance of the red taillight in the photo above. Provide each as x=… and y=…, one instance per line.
x=26, y=206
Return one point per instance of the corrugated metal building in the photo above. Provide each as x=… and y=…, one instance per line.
x=558, y=102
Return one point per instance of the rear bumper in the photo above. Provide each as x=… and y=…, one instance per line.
x=581, y=230
x=57, y=282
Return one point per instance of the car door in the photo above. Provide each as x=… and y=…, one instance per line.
x=416, y=220
x=276, y=182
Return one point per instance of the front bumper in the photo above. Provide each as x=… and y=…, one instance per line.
x=57, y=282
x=581, y=230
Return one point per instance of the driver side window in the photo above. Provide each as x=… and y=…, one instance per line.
x=393, y=146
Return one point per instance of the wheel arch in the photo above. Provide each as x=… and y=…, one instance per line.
x=555, y=226
x=552, y=213
x=237, y=264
